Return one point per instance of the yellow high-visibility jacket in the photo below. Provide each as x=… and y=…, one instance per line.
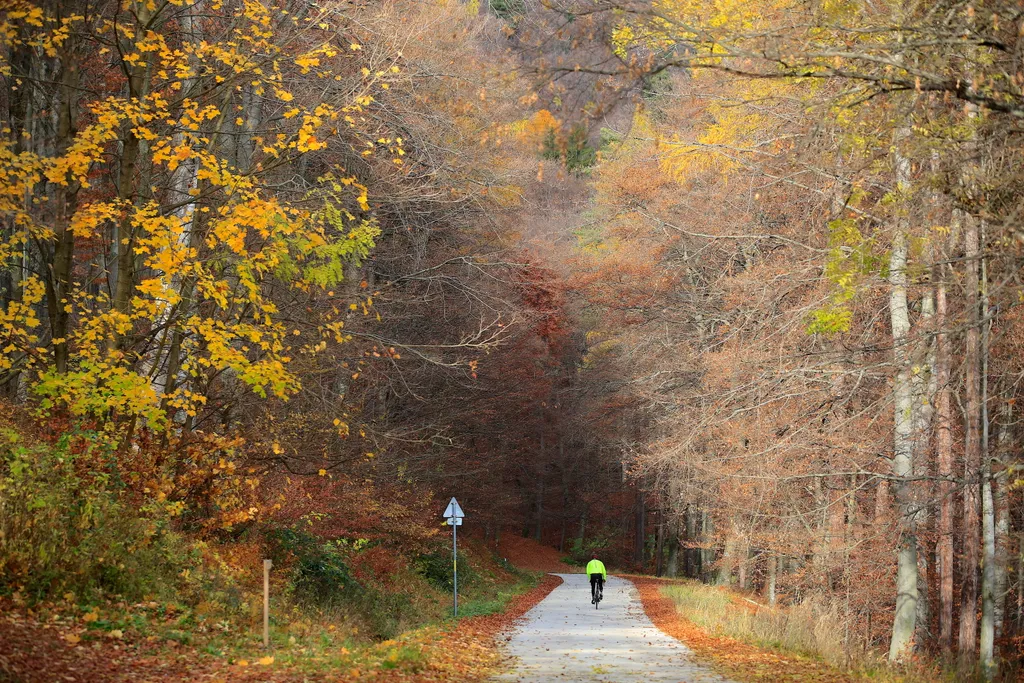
x=597, y=567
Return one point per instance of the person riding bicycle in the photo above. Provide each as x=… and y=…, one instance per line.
x=598, y=575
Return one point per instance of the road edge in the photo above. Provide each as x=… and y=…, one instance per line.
x=524, y=603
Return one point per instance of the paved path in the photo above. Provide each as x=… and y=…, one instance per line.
x=563, y=639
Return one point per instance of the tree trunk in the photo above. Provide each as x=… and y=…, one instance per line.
x=672, y=566
x=770, y=584
x=904, y=413
x=742, y=565
x=988, y=513
x=124, y=288
x=660, y=546
x=944, y=454
x=988, y=576
x=59, y=282
x=972, y=449
x=882, y=500
x=640, y=528
x=925, y=387
x=539, y=518
x=565, y=492
x=538, y=529
x=1002, y=511
x=707, y=556
x=905, y=617
x=724, y=577
x=691, y=556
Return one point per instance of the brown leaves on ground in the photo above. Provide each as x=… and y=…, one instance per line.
x=733, y=658
x=41, y=652
x=32, y=651
x=526, y=553
x=471, y=648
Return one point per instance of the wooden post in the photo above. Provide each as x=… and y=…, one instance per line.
x=266, y=602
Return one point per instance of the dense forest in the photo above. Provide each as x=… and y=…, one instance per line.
x=723, y=290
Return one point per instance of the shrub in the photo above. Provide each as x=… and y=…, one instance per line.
x=509, y=10
x=436, y=568
x=320, y=576
x=387, y=614
x=574, y=151
x=579, y=155
x=65, y=526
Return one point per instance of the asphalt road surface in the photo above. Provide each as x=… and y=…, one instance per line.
x=564, y=639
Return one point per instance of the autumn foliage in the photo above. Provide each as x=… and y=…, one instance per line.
x=730, y=291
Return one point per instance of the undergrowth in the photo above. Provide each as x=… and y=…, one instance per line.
x=67, y=525
x=80, y=546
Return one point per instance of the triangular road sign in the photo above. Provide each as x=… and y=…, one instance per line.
x=453, y=509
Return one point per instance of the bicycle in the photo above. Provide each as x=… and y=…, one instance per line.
x=597, y=593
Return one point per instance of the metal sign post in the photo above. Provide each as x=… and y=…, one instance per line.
x=453, y=517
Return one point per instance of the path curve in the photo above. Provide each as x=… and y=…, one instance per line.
x=564, y=639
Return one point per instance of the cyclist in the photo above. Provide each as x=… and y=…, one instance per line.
x=598, y=575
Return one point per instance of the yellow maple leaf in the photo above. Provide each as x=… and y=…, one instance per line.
x=266, y=661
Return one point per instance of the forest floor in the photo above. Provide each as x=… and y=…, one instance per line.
x=49, y=643
x=528, y=554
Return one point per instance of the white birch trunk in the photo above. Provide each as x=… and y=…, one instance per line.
x=905, y=617
x=986, y=640
x=184, y=180
x=1002, y=511
x=773, y=571
x=988, y=512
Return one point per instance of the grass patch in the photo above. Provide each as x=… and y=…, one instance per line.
x=810, y=629
x=495, y=601
x=405, y=657
x=804, y=636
